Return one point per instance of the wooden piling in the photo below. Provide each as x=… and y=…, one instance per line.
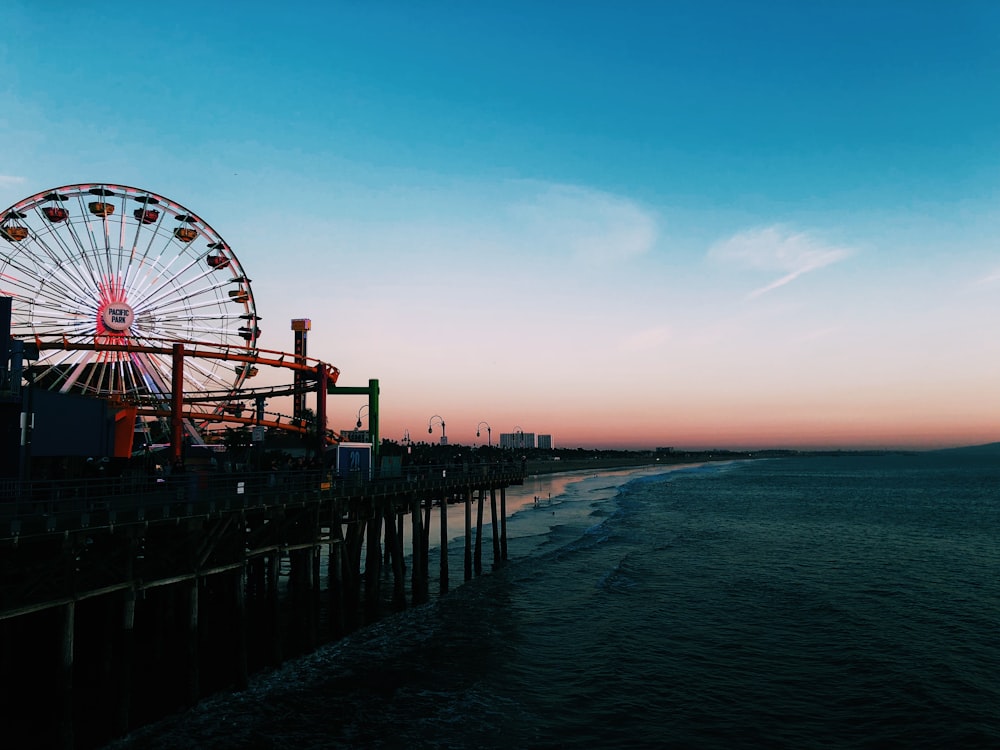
x=479, y=531
x=394, y=549
x=373, y=566
x=425, y=555
x=257, y=602
x=306, y=598
x=468, y=534
x=352, y=566
x=495, y=526
x=335, y=575
x=316, y=560
x=66, y=733
x=400, y=521
x=193, y=677
x=242, y=675
x=126, y=657
x=416, y=542
x=443, y=583
x=503, y=524
x=386, y=540
x=6, y=661
x=274, y=606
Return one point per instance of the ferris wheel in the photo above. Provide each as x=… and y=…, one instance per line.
x=96, y=266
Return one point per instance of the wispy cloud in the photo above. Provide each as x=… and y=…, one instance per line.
x=593, y=226
x=777, y=248
x=989, y=280
x=6, y=179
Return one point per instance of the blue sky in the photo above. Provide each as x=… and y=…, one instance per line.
x=710, y=223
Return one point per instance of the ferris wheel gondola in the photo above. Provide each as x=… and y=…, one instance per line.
x=101, y=268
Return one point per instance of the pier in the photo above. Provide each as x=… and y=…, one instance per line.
x=122, y=600
x=139, y=574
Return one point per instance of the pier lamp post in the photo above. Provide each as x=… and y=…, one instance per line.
x=489, y=432
x=430, y=428
x=408, y=443
x=357, y=434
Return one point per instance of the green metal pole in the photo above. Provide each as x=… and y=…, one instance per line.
x=373, y=422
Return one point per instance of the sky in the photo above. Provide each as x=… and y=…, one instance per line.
x=694, y=224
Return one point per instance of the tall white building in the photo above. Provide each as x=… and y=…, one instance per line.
x=545, y=442
x=517, y=440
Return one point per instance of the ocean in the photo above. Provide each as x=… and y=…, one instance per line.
x=847, y=601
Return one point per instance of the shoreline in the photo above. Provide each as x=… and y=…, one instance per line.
x=548, y=483
x=548, y=466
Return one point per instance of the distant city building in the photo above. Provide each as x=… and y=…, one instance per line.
x=545, y=442
x=517, y=440
x=665, y=450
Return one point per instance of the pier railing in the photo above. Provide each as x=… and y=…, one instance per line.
x=51, y=506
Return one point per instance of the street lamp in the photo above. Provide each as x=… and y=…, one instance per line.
x=430, y=428
x=363, y=407
x=489, y=432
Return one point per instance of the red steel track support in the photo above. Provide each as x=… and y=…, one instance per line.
x=322, y=380
x=177, y=403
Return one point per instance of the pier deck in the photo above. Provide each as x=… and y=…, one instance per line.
x=126, y=598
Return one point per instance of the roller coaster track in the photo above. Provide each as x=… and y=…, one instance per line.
x=220, y=402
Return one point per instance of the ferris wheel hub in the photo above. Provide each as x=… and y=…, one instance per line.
x=117, y=316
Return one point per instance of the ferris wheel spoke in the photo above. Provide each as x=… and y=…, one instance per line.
x=164, y=290
x=69, y=370
x=101, y=376
x=50, y=294
x=81, y=333
x=134, y=260
x=30, y=272
x=121, y=259
x=207, y=379
x=158, y=233
x=91, y=247
x=129, y=377
x=155, y=372
x=150, y=389
x=147, y=275
x=137, y=272
x=44, y=260
x=159, y=236
x=198, y=335
x=105, y=380
x=171, y=310
x=224, y=321
x=83, y=259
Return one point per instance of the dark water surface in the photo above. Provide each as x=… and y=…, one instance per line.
x=817, y=602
